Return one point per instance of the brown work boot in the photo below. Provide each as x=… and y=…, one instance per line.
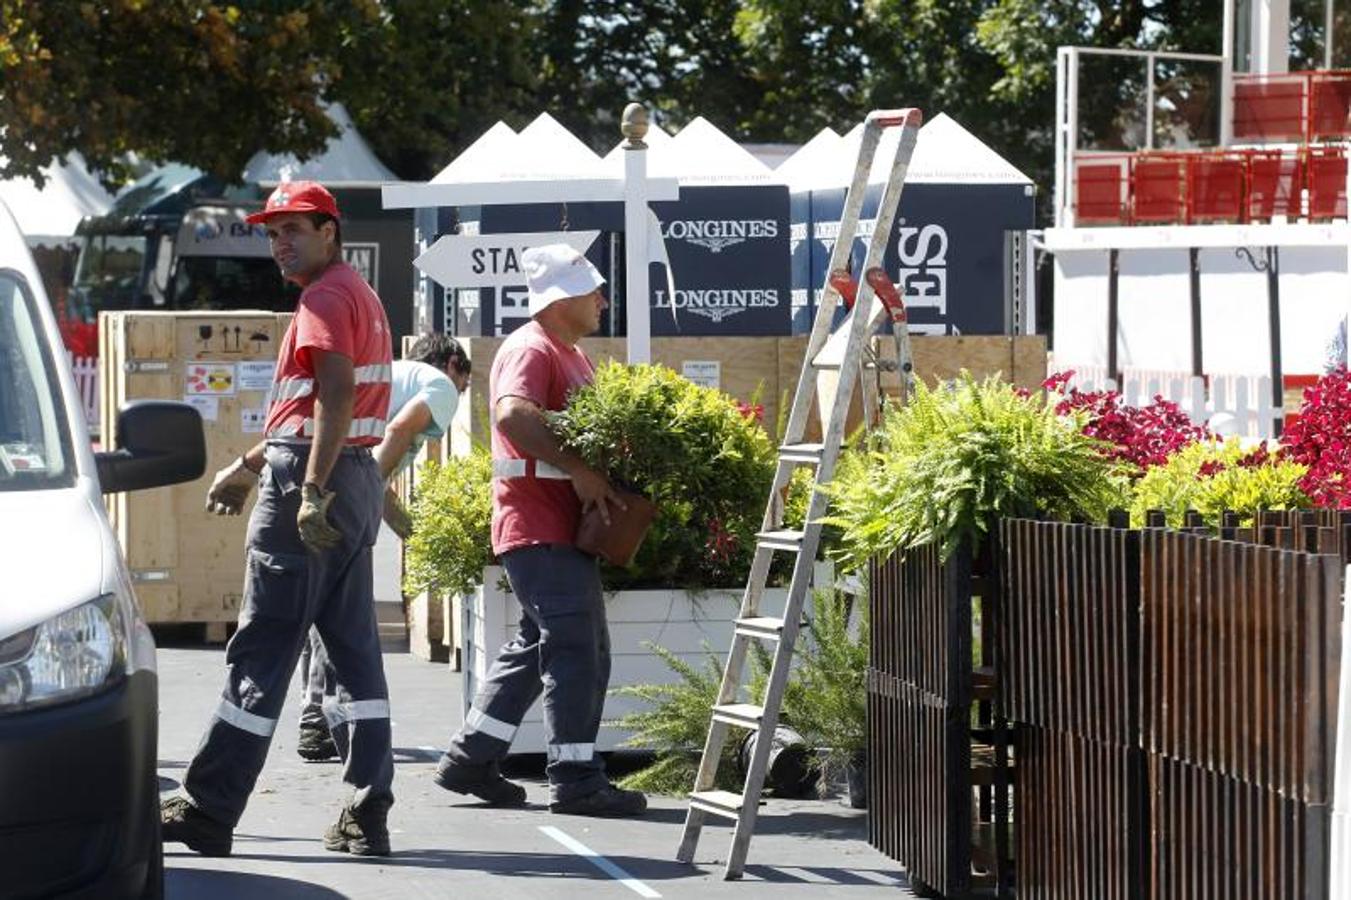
x=183, y=823
x=360, y=832
x=608, y=802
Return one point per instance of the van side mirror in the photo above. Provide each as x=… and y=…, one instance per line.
x=159, y=442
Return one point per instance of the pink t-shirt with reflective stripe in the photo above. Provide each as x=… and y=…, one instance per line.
x=338, y=313
x=532, y=365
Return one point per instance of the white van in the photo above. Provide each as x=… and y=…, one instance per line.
x=79, y=796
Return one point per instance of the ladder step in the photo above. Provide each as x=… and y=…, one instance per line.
x=760, y=627
x=984, y=685
x=719, y=803
x=742, y=715
x=781, y=540
x=802, y=453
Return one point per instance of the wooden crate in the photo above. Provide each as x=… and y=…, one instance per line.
x=188, y=565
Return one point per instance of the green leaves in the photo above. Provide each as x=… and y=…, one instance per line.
x=707, y=465
x=452, y=526
x=945, y=467
x=1212, y=478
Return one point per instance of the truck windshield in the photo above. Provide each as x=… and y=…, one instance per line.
x=35, y=447
x=108, y=275
x=231, y=282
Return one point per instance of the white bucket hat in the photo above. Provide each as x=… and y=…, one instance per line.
x=556, y=272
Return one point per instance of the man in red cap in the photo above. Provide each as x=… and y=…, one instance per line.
x=309, y=542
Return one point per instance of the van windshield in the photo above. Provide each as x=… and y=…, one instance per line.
x=35, y=447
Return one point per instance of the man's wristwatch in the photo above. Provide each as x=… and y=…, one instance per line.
x=244, y=461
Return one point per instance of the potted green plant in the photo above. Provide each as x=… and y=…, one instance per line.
x=699, y=454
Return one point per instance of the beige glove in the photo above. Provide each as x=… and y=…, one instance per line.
x=315, y=531
x=230, y=489
x=396, y=516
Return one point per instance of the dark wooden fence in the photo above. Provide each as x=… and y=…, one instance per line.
x=1172, y=699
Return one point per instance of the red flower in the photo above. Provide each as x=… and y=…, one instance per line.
x=1321, y=440
x=1140, y=436
x=1211, y=467
x=756, y=411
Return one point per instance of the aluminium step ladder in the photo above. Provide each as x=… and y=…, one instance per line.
x=843, y=353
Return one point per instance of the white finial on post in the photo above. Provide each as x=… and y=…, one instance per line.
x=637, y=305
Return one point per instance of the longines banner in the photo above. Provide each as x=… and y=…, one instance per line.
x=729, y=254
x=945, y=251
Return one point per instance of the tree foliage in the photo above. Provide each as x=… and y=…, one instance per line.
x=209, y=84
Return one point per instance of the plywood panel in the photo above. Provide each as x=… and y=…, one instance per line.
x=189, y=564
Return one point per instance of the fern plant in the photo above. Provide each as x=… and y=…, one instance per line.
x=945, y=467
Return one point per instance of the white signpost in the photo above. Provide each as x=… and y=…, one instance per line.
x=635, y=190
x=491, y=260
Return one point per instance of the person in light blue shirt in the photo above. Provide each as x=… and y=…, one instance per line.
x=424, y=393
x=425, y=390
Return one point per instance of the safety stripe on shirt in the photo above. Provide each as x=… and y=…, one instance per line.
x=244, y=720
x=492, y=727
x=517, y=468
x=376, y=373
x=291, y=389
x=354, y=710
x=571, y=752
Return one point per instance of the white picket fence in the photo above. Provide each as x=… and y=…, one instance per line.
x=1240, y=405
x=86, y=369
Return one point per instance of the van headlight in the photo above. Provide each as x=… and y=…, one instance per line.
x=77, y=653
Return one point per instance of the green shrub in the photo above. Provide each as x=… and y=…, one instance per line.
x=452, y=526
x=946, y=466
x=695, y=452
x=1212, y=477
x=826, y=699
x=674, y=724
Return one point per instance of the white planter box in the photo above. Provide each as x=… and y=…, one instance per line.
x=681, y=621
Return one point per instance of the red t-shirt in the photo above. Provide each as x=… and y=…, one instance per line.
x=529, y=510
x=339, y=313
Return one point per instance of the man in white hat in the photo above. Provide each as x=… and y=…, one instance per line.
x=562, y=647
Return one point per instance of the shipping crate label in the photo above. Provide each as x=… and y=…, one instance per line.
x=205, y=404
x=251, y=419
x=256, y=376
x=216, y=378
x=224, y=337
x=705, y=373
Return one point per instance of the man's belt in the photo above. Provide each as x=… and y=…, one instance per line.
x=527, y=468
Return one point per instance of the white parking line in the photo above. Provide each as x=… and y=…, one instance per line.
x=599, y=862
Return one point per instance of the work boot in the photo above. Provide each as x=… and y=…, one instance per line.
x=485, y=783
x=360, y=832
x=608, y=802
x=316, y=743
x=183, y=823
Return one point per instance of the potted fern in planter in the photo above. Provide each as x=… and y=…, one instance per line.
x=707, y=464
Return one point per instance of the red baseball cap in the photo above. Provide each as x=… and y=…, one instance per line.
x=296, y=197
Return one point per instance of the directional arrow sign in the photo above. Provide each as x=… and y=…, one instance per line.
x=491, y=260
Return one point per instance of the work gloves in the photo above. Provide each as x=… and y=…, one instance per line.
x=230, y=489
x=312, y=520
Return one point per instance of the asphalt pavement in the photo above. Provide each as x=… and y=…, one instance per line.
x=446, y=845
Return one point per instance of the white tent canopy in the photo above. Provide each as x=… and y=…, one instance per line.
x=544, y=149
x=807, y=165
x=478, y=156
x=946, y=153
x=49, y=215
x=701, y=154
x=346, y=160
